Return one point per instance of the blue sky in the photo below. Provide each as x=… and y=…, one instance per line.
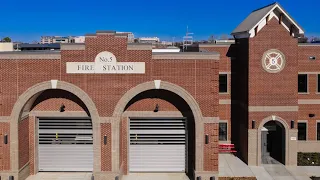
x=28, y=20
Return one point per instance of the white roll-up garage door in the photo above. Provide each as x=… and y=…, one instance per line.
x=65, y=144
x=157, y=145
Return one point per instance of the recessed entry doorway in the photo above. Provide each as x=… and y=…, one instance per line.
x=273, y=143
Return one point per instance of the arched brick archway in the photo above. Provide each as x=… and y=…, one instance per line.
x=185, y=95
x=286, y=129
x=35, y=90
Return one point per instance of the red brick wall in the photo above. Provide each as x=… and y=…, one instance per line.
x=149, y=105
x=54, y=104
x=304, y=111
x=210, y=158
x=124, y=145
x=273, y=89
x=4, y=148
x=32, y=136
x=106, y=156
x=23, y=142
x=180, y=72
x=198, y=77
x=306, y=65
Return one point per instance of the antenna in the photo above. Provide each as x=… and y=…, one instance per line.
x=187, y=40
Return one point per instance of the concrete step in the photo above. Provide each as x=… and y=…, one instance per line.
x=156, y=176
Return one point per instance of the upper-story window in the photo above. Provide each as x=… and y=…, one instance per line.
x=223, y=83
x=302, y=83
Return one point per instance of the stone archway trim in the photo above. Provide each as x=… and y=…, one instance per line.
x=194, y=106
x=38, y=88
x=286, y=127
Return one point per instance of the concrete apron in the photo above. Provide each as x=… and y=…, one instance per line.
x=155, y=176
x=60, y=176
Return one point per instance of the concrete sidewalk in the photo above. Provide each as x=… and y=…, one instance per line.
x=232, y=166
x=60, y=176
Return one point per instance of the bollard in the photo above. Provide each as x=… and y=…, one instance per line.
x=199, y=178
x=212, y=178
x=11, y=178
x=92, y=177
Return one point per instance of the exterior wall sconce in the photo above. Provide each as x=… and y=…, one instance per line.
x=5, y=139
x=312, y=58
x=62, y=108
x=292, y=124
x=105, y=139
x=156, y=109
x=253, y=124
x=311, y=115
x=207, y=139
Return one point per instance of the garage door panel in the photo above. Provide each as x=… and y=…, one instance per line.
x=64, y=145
x=157, y=145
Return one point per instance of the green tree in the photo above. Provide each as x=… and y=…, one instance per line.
x=6, y=39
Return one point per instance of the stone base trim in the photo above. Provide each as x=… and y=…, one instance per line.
x=308, y=146
x=24, y=172
x=272, y=108
x=237, y=178
x=205, y=175
x=105, y=175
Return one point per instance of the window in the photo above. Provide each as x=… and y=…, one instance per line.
x=302, y=131
x=302, y=83
x=223, y=132
x=223, y=83
x=318, y=131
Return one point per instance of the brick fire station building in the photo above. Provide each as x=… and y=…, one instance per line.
x=113, y=108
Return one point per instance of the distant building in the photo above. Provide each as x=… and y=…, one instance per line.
x=6, y=46
x=37, y=47
x=54, y=39
x=78, y=39
x=151, y=40
x=166, y=43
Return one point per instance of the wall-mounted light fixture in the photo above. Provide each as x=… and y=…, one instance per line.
x=312, y=58
x=62, y=108
x=156, y=109
x=5, y=139
x=105, y=139
x=292, y=124
x=253, y=124
x=311, y=115
x=207, y=139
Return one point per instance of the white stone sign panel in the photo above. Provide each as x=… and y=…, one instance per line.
x=105, y=63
